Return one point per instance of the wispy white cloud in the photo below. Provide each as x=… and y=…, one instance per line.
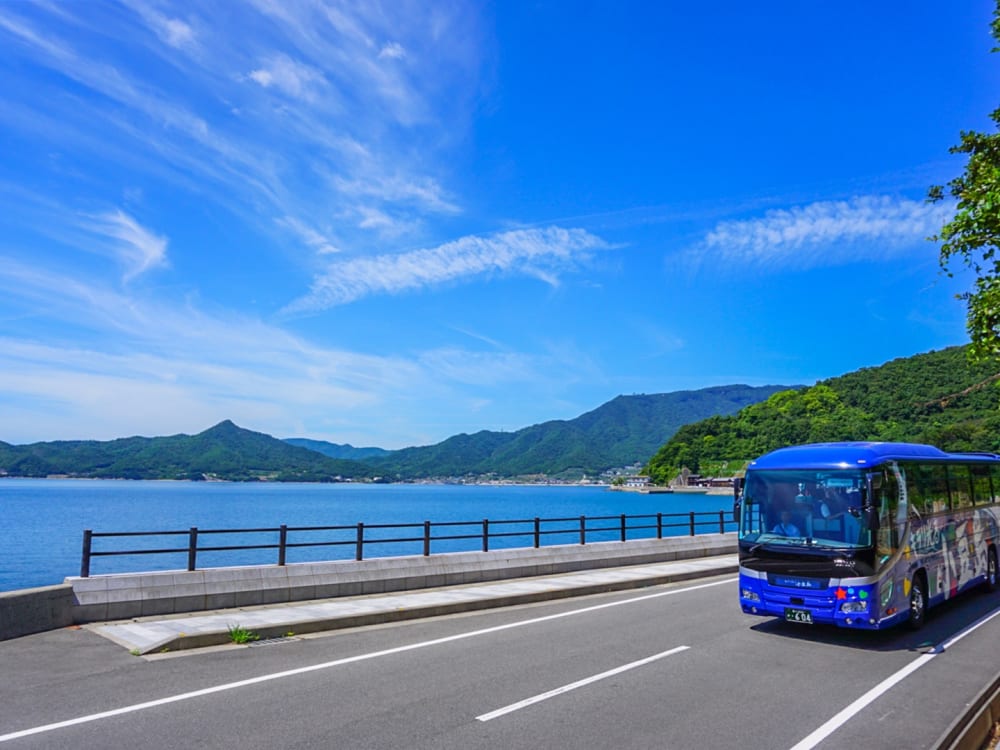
x=392, y=51
x=136, y=248
x=278, y=109
x=312, y=237
x=172, y=30
x=136, y=365
x=288, y=76
x=421, y=192
x=825, y=233
x=540, y=253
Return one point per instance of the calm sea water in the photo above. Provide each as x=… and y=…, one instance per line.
x=42, y=521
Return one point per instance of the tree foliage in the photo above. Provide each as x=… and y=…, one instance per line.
x=940, y=398
x=972, y=237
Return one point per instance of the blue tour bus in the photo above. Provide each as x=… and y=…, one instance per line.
x=865, y=534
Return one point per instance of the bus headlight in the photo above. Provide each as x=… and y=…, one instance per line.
x=861, y=606
x=750, y=595
x=886, y=594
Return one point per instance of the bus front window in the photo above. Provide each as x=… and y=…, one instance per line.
x=803, y=507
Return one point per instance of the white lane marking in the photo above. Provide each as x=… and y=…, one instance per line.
x=340, y=662
x=846, y=714
x=580, y=683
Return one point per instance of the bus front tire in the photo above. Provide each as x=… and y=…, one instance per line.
x=918, y=603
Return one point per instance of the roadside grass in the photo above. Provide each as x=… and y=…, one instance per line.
x=239, y=634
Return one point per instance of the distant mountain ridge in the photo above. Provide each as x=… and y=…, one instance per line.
x=224, y=451
x=621, y=432
x=336, y=450
x=624, y=431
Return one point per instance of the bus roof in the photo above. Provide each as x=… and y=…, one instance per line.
x=857, y=455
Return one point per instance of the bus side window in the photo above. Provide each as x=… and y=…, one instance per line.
x=927, y=488
x=960, y=484
x=995, y=482
x=981, y=485
x=919, y=488
x=937, y=487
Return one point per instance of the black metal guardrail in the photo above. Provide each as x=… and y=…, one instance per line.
x=360, y=536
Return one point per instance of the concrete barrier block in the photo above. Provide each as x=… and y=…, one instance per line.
x=220, y=600
x=177, y=590
x=111, y=596
x=35, y=610
x=186, y=604
x=151, y=606
x=98, y=583
x=282, y=594
x=328, y=590
x=249, y=597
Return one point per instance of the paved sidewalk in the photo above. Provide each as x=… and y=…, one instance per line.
x=196, y=630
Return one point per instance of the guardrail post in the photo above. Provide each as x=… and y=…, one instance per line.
x=359, y=551
x=192, y=548
x=692, y=523
x=85, y=560
x=427, y=538
x=583, y=529
x=486, y=535
x=722, y=522
x=538, y=532
x=659, y=526
x=623, y=527
x=282, y=543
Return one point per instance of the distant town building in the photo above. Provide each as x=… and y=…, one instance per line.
x=637, y=481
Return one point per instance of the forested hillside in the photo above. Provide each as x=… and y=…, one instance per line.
x=337, y=450
x=937, y=398
x=221, y=452
x=623, y=431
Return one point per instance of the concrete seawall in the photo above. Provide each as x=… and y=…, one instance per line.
x=124, y=596
x=35, y=610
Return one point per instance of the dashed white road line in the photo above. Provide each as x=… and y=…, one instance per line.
x=580, y=683
x=340, y=662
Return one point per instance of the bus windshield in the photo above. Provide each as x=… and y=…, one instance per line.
x=804, y=507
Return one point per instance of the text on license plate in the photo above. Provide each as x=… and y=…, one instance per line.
x=798, y=615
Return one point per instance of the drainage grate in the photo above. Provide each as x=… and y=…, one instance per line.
x=273, y=641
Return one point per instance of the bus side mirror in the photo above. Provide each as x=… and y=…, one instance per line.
x=737, y=492
x=736, y=511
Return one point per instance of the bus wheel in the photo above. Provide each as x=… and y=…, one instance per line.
x=918, y=603
x=991, y=570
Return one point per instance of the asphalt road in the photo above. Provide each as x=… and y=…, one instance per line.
x=665, y=667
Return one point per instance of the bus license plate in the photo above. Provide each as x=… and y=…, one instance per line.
x=798, y=615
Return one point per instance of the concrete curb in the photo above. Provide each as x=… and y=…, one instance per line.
x=971, y=730
x=278, y=621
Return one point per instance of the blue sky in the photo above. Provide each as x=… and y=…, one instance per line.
x=385, y=224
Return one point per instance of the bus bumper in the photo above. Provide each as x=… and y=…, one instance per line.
x=813, y=602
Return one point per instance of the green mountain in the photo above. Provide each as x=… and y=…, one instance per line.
x=624, y=431
x=337, y=450
x=221, y=452
x=937, y=398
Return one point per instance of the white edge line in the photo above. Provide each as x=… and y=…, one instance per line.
x=580, y=683
x=340, y=662
x=838, y=720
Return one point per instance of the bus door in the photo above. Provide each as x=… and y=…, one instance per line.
x=893, y=558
